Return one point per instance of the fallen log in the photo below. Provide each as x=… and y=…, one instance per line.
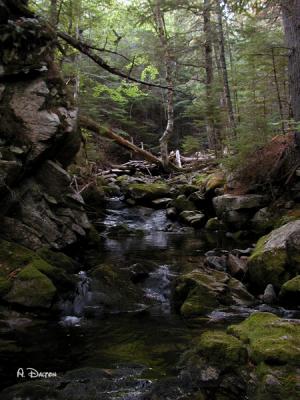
x=91, y=125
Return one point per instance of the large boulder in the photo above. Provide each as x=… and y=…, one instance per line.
x=270, y=339
x=146, y=192
x=29, y=280
x=199, y=292
x=229, y=202
x=276, y=257
x=39, y=137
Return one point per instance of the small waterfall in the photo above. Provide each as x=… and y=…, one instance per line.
x=73, y=309
x=157, y=287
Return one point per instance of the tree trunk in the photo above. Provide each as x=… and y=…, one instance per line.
x=291, y=23
x=231, y=116
x=162, y=34
x=212, y=136
x=91, y=125
x=53, y=13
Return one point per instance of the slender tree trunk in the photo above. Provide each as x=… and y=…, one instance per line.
x=291, y=23
x=212, y=136
x=231, y=116
x=53, y=13
x=162, y=34
x=278, y=91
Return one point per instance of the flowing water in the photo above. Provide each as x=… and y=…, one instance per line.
x=151, y=338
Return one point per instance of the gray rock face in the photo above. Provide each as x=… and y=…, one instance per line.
x=39, y=138
x=229, y=202
x=276, y=258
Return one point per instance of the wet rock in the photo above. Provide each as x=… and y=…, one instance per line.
x=171, y=213
x=216, y=262
x=193, y=218
x=161, y=203
x=290, y=292
x=199, y=292
x=236, y=266
x=275, y=258
x=269, y=296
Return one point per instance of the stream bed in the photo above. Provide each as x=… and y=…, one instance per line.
x=146, y=340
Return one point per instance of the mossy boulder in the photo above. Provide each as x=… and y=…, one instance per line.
x=199, y=292
x=145, y=192
x=221, y=348
x=58, y=259
x=181, y=203
x=276, y=257
x=290, y=292
x=31, y=288
x=270, y=339
x=215, y=181
x=27, y=279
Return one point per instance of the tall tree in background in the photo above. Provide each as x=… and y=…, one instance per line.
x=160, y=27
x=291, y=22
x=227, y=91
x=212, y=130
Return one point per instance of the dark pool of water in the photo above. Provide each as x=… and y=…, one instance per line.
x=153, y=340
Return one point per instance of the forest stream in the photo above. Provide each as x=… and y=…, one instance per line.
x=139, y=343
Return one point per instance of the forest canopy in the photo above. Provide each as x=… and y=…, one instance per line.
x=198, y=75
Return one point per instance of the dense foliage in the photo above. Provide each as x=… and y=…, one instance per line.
x=208, y=42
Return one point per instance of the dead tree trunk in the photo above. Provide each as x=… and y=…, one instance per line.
x=162, y=34
x=91, y=125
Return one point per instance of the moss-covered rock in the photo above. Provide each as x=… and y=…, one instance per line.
x=58, y=259
x=219, y=347
x=290, y=292
x=214, y=224
x=274, y=259
x=144, y=192
x=270, y=339
x=31, y=288
x=30, y=278
x=181, y=203
x=215, y=181
x=199, y=292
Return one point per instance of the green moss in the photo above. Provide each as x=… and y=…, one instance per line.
x=270, y=338
x=215, y=181
x=200, y=179
x=267, y=266
x=57, y=259
x=31, y=288
x=283, y=385
x=181, y=203
x=220, y=347
x=148, y=191
x=5, y=286
x=214, y=224
x=290, y=292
